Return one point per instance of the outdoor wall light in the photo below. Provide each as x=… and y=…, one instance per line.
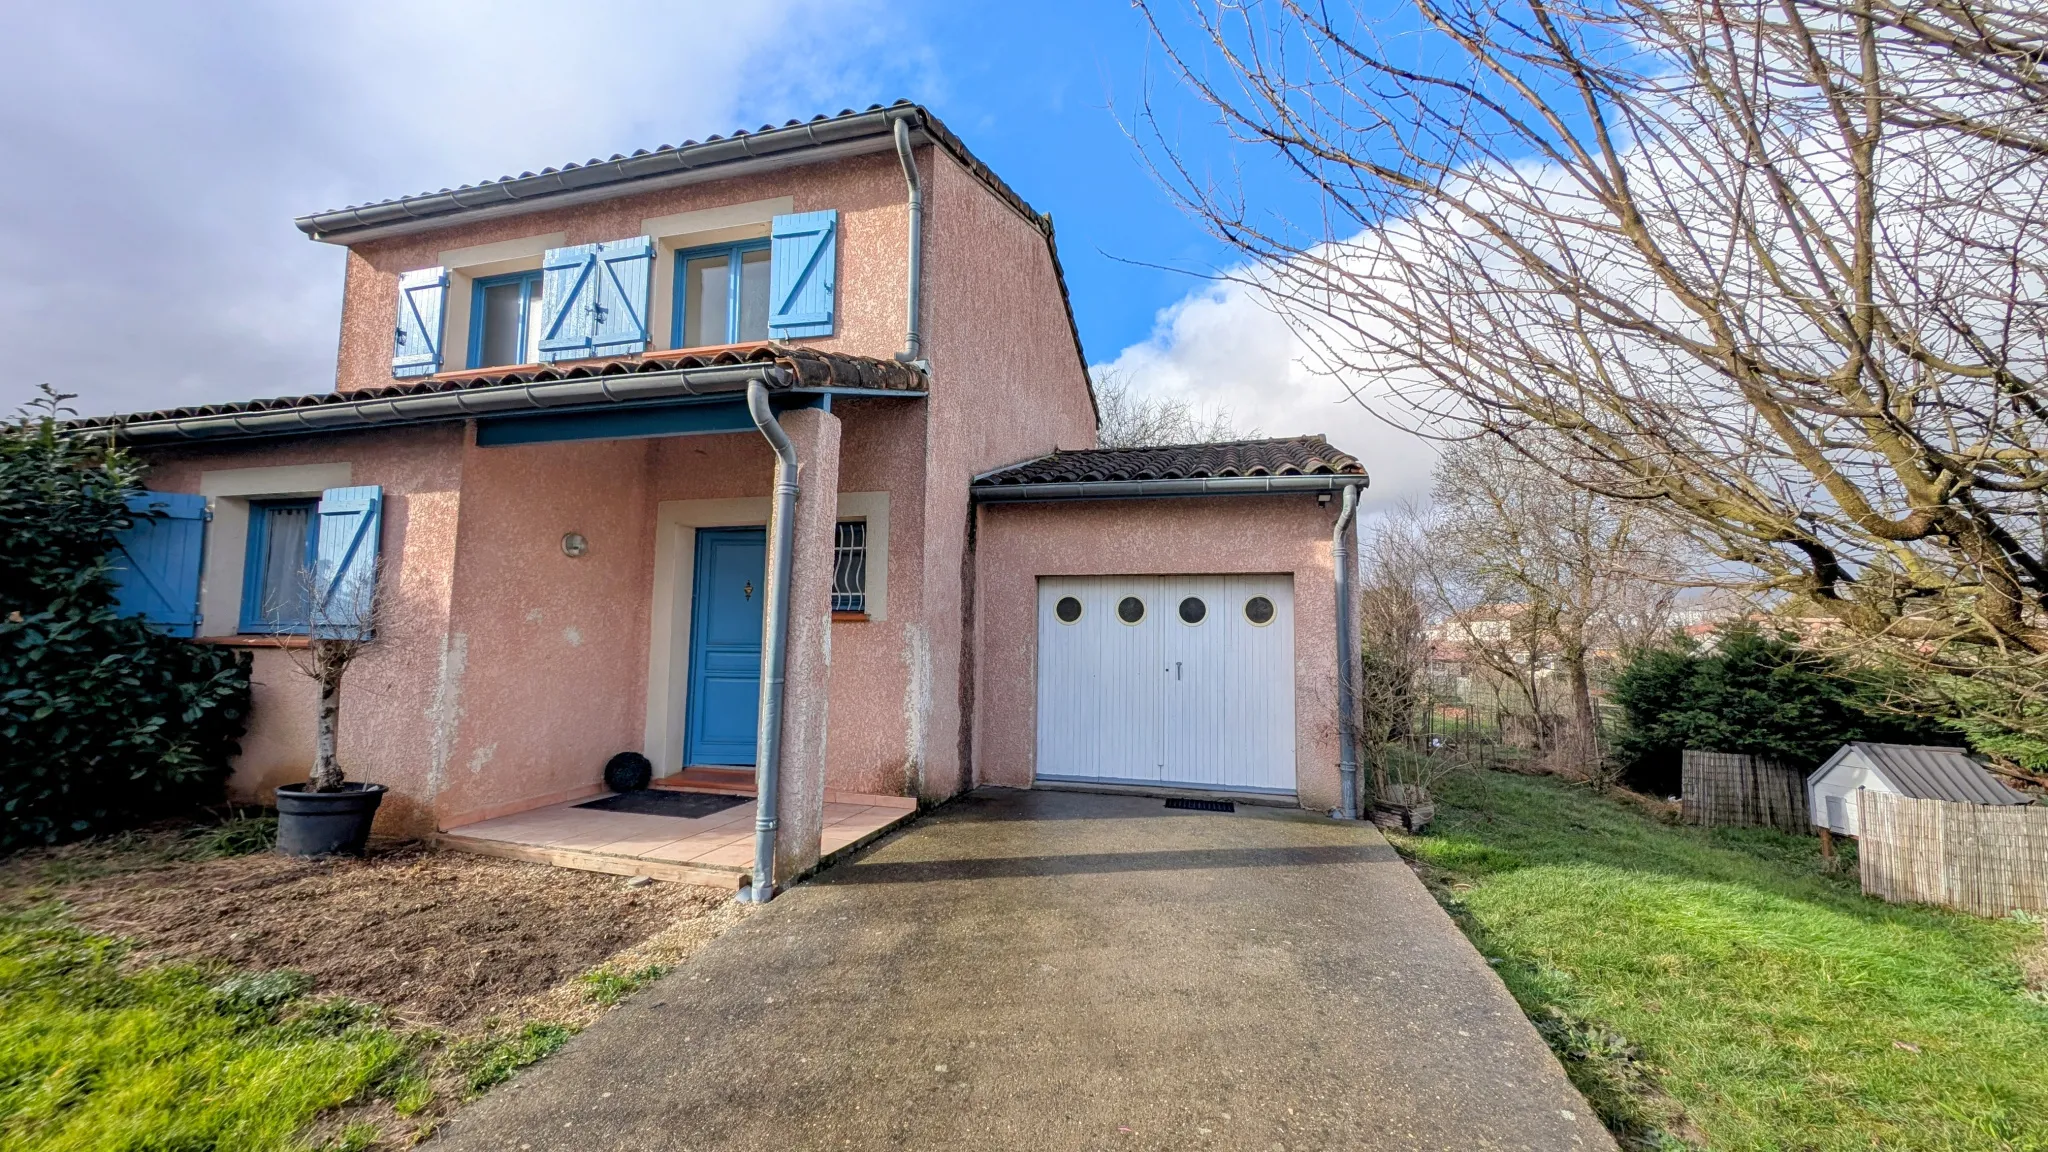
x=574, y=545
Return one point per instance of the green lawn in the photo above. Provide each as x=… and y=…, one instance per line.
x=1719, y=989
x=101, y=1054
x=95, y=1057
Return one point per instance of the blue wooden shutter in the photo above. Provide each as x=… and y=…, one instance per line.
x=568, y=289
x=625, y=274
x=156, y=562
x=345, y=562
x=416, y=343
x=595, y=299
x=803, y=275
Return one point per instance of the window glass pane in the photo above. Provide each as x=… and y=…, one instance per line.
x=287, y=594
x=535, y=316
x=500, y=320
x=753, y=295
x=850, y=567
x=707, y=291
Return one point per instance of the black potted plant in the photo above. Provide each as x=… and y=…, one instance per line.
x=328, y=813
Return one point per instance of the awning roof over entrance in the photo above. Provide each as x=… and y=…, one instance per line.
x=585, y=385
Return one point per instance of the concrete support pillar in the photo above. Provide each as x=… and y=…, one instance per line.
x=800, y=811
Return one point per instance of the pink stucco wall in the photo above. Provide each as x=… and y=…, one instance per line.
x=546, y=651
x=1018, y=543
x=389, y=710
x=867, y=191
x=1007, y=385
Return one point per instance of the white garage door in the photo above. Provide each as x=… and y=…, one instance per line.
x=1185, y=680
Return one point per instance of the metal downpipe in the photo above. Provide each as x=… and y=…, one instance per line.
x=913, y=350
x=774, y=639
x=1347, y=660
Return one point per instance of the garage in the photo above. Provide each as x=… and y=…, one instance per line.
x=1165, y=618
x=1181, y=681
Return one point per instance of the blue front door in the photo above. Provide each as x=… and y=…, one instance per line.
x=725, y=646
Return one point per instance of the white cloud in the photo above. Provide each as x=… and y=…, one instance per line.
x=1222, y=346
x=158, y=153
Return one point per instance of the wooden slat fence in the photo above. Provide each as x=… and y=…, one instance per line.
x=1989, y=859
x=1732, y=790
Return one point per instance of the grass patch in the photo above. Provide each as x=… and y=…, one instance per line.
x=101, y=1054
x=489, y=1060
x=97, y=1057
x=606, y=987
x=1721, y=988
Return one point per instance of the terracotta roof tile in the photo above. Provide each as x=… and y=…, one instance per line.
x=807, y=368
x=1288, y=456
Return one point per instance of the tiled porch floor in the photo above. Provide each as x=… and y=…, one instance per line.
x=717, y=849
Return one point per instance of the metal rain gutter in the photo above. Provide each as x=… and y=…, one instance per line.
x=1143, y=489
x=913, y=344
x=1347, y=660
x=774, y=641
x=455, y=404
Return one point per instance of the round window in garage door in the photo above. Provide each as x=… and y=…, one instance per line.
x=1068, y=610
x=1259, y=611
x=1193, y=611
x=1130, y=609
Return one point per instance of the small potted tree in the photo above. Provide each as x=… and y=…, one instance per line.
x=329, y=813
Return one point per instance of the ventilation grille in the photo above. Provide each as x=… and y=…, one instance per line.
x=1203, y=805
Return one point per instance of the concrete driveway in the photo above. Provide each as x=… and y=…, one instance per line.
x=1054, y=970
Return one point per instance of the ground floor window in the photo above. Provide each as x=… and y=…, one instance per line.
x=850, y=567
x=277, y=584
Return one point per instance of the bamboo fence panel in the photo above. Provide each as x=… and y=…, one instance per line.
x=1989, y=859
x=1733, y=790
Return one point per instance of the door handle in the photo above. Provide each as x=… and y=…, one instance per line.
x=1176, y=669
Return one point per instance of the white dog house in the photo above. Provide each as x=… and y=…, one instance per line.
x=1914, y=770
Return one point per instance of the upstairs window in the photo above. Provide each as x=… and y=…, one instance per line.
x=850, y=566
x=505, y=320
x=277, y=581
x=721, y=295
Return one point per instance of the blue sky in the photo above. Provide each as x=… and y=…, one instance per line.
x=147, y=255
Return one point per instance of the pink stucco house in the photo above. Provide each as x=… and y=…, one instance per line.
x=562, y=397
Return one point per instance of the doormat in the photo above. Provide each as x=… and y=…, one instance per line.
x=1202, y=805
x=666, y=802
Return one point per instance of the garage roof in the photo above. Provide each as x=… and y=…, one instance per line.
x=1928, y=773
x=1286, y=456
x=1225, y=468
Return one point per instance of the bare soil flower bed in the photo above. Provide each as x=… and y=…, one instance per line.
x=414, y=980
x=438, y=938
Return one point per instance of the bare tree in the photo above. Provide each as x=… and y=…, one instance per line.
x=1534, y=574
x=345, y=613
x=1774, y=267
x=1393, y=659
x=1132, y=419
